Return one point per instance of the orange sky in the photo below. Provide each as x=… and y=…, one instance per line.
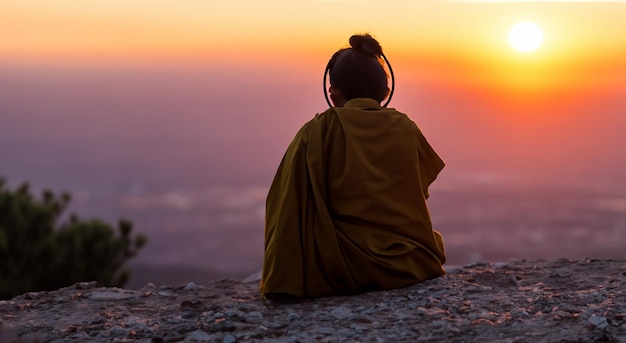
x=198, y=29
x=456, y=42
x=456, y=45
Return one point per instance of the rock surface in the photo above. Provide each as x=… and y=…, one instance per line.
x=518, y=301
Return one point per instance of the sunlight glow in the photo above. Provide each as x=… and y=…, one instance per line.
x=525, y=36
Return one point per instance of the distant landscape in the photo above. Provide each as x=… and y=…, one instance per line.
x=200, y=234
x=481, y=222
x=190, y=164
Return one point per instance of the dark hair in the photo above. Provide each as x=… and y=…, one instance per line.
x=358, y=71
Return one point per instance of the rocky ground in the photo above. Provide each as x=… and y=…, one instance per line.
x=519, y=301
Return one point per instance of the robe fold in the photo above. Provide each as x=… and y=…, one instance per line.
x=346, y=212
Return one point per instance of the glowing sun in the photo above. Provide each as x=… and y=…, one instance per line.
x=525, y=36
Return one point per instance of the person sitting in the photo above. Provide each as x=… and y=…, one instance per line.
x=346, y=212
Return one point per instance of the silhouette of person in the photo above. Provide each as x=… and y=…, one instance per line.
x=346, y=212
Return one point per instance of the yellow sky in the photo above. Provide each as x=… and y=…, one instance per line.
x=112, y=27
x=446, y=38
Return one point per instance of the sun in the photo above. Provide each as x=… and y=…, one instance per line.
x=525, y=36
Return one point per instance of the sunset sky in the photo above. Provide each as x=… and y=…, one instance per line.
x=452, y=58
x=454, y=39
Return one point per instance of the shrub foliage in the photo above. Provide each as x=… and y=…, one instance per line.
x=36, y=255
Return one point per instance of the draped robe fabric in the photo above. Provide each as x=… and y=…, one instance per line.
x=346, y=212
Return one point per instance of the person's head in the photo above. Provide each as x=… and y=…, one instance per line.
x=357, y=72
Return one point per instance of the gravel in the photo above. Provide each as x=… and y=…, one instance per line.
x=518, y=301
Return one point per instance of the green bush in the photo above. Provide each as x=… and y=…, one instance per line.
x=36, y=255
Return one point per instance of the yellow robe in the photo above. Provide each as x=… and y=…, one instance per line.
x=346, y=212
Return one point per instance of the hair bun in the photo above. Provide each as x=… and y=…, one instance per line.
x=367, y=44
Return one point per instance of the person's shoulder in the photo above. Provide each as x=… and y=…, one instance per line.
x=318, y=119
x=409, y=122
x=324, y=118
x=402, y=115
x=326, y=114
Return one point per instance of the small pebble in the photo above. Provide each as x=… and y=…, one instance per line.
x=341, y=312
x=598, y=321
x=255, y=315
x=233, y=313
x=118, y=331
x=199, y=336
x=293, y=316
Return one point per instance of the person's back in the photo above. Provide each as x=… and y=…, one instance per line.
x=347, y=210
